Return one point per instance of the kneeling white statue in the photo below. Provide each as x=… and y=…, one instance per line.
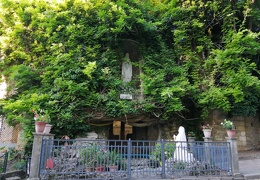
x=181, y=152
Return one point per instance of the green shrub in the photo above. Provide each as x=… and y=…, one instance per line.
x=169, y=149
x=20, y=165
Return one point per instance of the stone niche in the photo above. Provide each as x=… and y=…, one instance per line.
x=247, y=130
x=167, y=130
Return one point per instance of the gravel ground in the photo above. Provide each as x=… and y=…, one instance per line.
x=249, y=154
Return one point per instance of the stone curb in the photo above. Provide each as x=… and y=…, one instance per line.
x=255, y=176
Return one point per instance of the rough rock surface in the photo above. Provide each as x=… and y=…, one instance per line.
x=249, y=154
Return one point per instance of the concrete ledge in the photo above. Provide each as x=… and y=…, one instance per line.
x=254, y=176
x=211, y=178
x=11, y=174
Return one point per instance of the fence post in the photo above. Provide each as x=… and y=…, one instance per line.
x=234, y=154
x=129, y=149
x=36, y=154
x=191, y=141
x=5, y=162
x=163, y=159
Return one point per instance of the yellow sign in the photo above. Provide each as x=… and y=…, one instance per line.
x=116, y=127
x=128, y=129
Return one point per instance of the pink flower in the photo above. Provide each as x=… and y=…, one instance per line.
x=207, y=126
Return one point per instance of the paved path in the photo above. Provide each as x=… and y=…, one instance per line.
x=250, y=169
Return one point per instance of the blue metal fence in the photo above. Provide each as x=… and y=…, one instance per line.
x=112, y=159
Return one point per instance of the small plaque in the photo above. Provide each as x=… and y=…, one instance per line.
x=126, y=96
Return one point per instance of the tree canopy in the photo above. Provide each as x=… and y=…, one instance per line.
x=66, y=56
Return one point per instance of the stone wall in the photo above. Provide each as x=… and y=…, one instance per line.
x=247, y=130
x=152, y=132
x=167, y=130
x=9, y=135
x=3, y=87
x=252, y=131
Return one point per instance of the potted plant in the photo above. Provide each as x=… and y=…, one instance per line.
x=102, y=159
x=94, y=156
x=191, y=134
x=41, y=119
x=230, y=128
x=207, y=128
x=88, y=157
x=113, y=161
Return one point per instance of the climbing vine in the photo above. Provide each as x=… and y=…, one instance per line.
x=66, y=56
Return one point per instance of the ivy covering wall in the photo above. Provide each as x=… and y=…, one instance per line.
x=65, y=57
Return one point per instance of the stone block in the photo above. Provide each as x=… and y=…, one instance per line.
x=239, y=118
x=240, y=123
x=92, y=136
x=242, y=133
x=240, y=128
x=242, y=138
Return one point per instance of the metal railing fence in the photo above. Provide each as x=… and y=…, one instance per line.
x=130, y=159
x=3, y=162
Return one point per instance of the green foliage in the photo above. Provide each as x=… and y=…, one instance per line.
x=191, y=134
x=20, y=165
x=89, y=68
x=169, y=149
x=180, y=165
x=231, y=79
x=88, y=155
x=94, y=155
x=227, y=124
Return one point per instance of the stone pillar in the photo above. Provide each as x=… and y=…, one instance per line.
x=207, y=139
x=191, y=141
x=207, y=146
x=234, y=154
x=36, y=154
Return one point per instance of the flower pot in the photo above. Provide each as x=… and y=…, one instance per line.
x=207, y=132
x=39, y=127
x=47, y=129
x=89, y=169
x=100, y=169
x=231, y=133
x=113, y=168
x=49, y=163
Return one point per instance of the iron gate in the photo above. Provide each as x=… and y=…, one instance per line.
x=112, y=159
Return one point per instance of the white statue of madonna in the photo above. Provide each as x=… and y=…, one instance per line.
x=181, y=152
x=127, y=69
